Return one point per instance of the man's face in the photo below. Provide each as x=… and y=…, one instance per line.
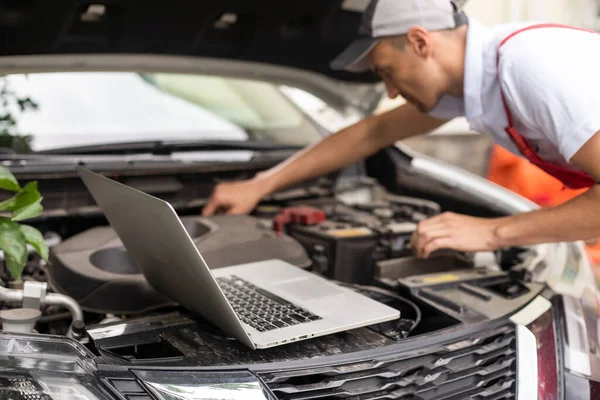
x=408, y=70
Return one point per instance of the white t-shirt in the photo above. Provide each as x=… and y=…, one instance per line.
x=551, y=80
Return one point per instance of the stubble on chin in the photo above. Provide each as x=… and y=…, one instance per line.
x=421, y=107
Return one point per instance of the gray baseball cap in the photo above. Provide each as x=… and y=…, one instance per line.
x=395, y=17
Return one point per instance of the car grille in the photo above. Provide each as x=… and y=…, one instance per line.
x=482, y=367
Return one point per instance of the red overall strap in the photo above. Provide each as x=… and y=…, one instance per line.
x=570, y=178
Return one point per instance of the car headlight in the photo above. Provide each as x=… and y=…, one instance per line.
x=562, y=336
x=581, y=339
x=53, y=368
x=538, y=362
x=36, y=367
x=579, y=315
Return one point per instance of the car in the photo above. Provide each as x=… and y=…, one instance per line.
x=171, y=98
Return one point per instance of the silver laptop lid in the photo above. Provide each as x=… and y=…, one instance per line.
x=160, y=246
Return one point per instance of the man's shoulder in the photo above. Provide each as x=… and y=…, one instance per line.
x=549, y=58
x=505, y=36
x=539, y=42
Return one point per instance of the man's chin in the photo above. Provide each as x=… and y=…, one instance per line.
x=424, y=108
x=421, y=107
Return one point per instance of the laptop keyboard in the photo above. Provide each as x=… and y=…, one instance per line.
x=261, y=309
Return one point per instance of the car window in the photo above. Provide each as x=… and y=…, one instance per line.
x=66, y=109
x=326, y=116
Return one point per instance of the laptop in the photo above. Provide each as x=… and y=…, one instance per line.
x=262, y=304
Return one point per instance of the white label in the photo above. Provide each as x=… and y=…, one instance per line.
x=402, y=227
x=355, y=5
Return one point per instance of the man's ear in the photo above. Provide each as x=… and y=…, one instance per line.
x=419, y=40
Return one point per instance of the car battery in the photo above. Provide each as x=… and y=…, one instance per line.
x=347, y=251
x=339, y=251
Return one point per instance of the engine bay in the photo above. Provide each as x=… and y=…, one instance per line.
x=344, y=239
x=358, y=237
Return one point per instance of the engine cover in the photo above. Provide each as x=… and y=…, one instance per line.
x=94, y=268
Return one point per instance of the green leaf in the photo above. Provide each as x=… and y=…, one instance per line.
x=25, y=197
x=9, y=204
x=36, y=240
x=12, y=241
x=8, y=180
x=30, y=211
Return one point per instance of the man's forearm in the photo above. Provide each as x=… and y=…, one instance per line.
x=348, y=146
x=577, y=219
x=332, y=153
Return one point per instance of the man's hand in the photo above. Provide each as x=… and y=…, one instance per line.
x=235, y=198
x=454, y=231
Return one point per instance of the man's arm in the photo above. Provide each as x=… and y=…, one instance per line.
x=350, y=145
x=343, y=148
x=576, y=219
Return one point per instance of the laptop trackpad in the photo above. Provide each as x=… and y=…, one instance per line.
x=307, y=289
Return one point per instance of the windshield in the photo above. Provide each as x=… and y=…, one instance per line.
x=46, y=111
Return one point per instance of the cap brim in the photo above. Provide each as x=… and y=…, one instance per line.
x=354, y=58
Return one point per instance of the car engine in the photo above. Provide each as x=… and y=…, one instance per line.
x=357, y=236
x=343, y=238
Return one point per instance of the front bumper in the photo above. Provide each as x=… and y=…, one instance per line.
x=481, y=364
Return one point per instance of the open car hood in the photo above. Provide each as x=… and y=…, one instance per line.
x=231, y=36
x=289, y=43
x=305, y=34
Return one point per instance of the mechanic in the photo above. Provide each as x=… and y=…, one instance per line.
x=534, y=88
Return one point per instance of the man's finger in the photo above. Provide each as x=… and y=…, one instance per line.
x=209, y=208
x=413, y=240
x=215, y=206
x=430, y=236
x=430, y=225
x=436, y=244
